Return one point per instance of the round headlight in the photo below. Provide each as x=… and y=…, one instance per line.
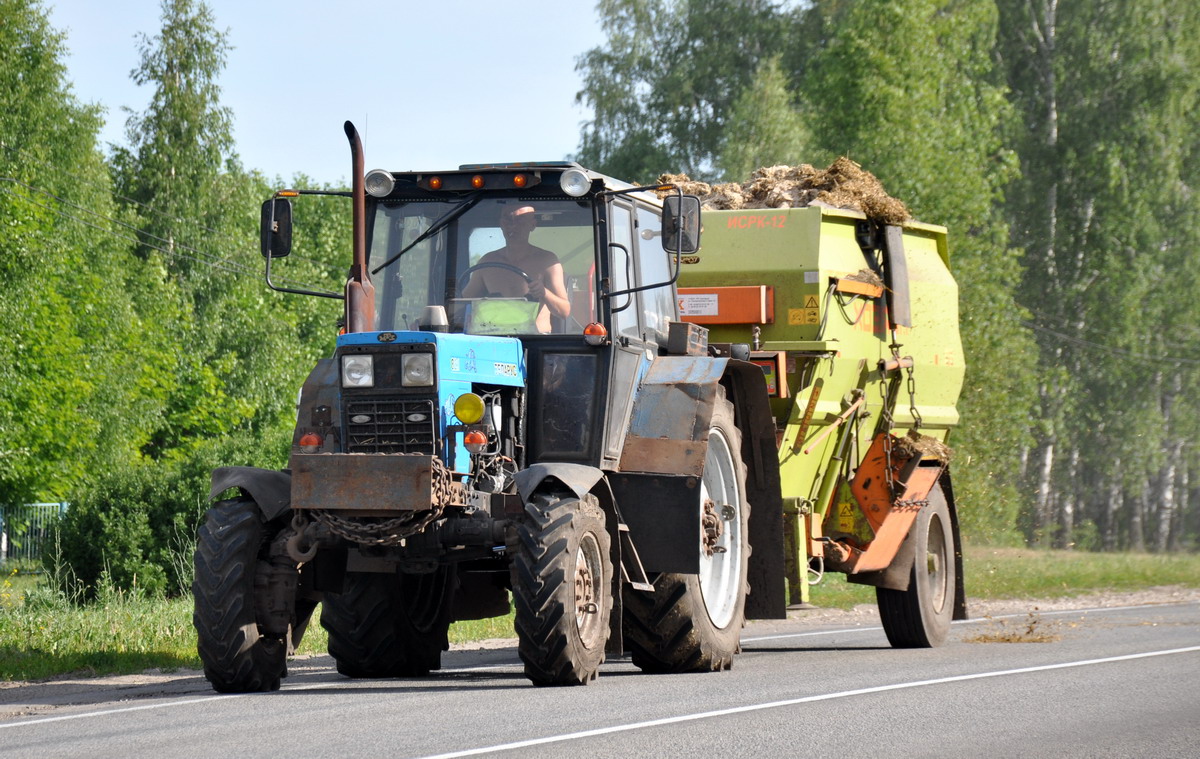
x=379, y=183
x=468, y=407
x=574, y=182
x=417, y=370
x=358, y=371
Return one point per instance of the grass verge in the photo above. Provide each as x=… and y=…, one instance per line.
x=43, y=633
x=1000, y=573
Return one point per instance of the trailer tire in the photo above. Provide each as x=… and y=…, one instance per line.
x=390, y=625
x=693, y=623
x=237, y=657
x=561, y=575
x=920, y=616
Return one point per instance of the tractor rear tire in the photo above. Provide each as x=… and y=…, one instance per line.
x=693, y=623
x=562, y=589
x=237, y=657
x=920, y=616
x=390, y=625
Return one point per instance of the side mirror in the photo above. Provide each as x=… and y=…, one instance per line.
x=276, y=228
x=681, y=223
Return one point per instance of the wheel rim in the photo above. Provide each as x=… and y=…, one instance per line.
x=721, y=555
x=936, y=570
x=589, y=574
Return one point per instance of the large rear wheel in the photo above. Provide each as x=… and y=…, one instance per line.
x=693, y=623
x=389, y=625
x=561, y=584
x=237, y=656
x=920, y=616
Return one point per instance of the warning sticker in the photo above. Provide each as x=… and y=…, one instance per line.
x=699, y=304
x=801, y=316
x=810, y=301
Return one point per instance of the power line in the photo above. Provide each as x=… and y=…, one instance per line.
x=1178, y=361
x=11, y=149
x=201, y=257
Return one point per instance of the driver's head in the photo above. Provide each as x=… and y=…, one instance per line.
x=519, y=220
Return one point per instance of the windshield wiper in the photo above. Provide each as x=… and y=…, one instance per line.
x=437, y=226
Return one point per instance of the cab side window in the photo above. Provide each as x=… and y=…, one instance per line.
x=658, y=304
x=625, y=321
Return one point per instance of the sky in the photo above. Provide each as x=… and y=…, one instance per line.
x=430, y=85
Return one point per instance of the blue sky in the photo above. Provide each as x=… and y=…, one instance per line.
x=430, y=85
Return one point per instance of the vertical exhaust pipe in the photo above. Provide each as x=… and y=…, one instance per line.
x=360, y=293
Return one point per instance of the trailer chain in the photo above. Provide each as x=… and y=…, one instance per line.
x=393, y=532
x=912, y=399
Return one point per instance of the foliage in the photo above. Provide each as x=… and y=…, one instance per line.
x=661, y=90
x=1106, y=213
x=766, y=128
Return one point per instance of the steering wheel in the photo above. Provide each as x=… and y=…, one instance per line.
x=466, y=275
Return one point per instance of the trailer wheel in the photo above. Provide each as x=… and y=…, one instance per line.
x=237, y=657
x=920, y=616
x=390, y=625
x=693, y=623
x=561, y=583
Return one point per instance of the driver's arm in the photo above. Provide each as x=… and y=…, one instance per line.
x=476, y=287
x=554, y=293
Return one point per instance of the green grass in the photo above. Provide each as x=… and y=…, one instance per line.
x=43, y=633
x=999, y=573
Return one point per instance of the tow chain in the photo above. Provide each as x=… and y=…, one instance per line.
x=393, y=532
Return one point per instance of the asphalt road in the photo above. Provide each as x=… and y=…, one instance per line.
x=1117, y=682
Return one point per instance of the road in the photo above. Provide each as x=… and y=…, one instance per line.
x=1111, y=682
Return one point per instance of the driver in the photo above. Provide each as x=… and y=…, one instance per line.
x=546, y=283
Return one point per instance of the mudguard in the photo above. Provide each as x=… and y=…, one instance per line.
x=270, y=489
x=668, y=427
x=578, y=478
x=747, y=388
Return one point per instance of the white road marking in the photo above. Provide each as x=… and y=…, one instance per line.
x=795, y=701
x=516, y=666
x=976, y=621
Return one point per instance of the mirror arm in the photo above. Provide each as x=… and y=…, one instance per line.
x=270, y=284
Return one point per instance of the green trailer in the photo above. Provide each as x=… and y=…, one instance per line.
x=855, y=325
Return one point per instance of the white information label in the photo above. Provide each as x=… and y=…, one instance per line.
x=699, y=304
x=811, y=277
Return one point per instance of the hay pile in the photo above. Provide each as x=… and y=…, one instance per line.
x=843, y=185
x=916, y=444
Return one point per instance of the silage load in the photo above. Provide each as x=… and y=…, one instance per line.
x=844, y=184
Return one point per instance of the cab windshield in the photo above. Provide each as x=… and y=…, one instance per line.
x=509, y=266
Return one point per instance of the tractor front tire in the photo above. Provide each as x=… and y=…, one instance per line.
x=920, y=616
x=390, y=625
x=561, y=582
x=693, y=623
x=237, y=657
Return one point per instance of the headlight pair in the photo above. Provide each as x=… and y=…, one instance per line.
x=416, y=370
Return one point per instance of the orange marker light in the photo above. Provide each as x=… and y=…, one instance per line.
x=520, y=180
x=475, y=441
x=310, y=442
x=477, y=181
x=287, y=194
x=435, y=183
x=595, y=334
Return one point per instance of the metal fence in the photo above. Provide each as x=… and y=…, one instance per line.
x=24, y=530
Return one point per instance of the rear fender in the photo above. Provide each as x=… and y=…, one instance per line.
x=270, y=489
x=898, y=574
x=578, y=478
x=746, y=387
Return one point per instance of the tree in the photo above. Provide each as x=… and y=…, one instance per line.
x=927, y=117
x=1106, y=215
x=662, y=89
x=765, y=127
x=73, y=362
